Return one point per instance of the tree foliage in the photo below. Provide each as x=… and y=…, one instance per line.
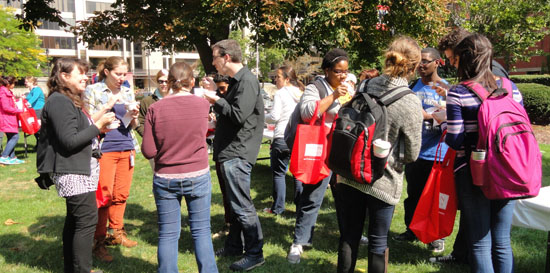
x=299, y=26
x=20, y=52
x=513, y=26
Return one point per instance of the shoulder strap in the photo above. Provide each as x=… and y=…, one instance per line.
x=321, y=87
x=394, y=94
x=413, y=83
x=477, y=89
x=362, y=88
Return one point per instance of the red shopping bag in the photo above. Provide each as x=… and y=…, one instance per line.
x=435, y=213
x=29, y=122
x=307, y=161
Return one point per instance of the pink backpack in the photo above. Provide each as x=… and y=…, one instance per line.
x=512, y=167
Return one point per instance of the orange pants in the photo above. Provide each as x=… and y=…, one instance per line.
x=115, y=179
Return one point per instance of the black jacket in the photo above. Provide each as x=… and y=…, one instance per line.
x=65, y=142
x=240, y=123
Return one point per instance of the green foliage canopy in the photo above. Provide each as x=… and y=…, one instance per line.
x=20, y=52
x=513, y=26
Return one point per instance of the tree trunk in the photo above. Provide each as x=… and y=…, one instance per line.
x=205, y=53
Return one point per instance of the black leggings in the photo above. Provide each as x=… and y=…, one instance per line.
x=78, y=232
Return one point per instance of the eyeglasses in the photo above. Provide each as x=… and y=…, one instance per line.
x=217, y=56
x=340, y=72
x=424, y=62
x=162, y=82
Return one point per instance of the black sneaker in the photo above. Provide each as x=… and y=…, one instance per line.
x=247, y=264
x=447, y=259
x=223, y=252
x=407, y=236
x=437, y=246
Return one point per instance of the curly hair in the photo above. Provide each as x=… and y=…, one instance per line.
x=451, y=40
x=333, y=57
x=57, y=84
x=402, y=57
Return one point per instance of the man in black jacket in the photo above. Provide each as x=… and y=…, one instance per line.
x=239, y=132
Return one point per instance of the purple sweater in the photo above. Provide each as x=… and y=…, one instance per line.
x=175, y=134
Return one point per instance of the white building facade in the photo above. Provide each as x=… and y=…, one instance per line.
x=57, y=42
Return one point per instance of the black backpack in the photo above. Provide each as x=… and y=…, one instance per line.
x=361, y=121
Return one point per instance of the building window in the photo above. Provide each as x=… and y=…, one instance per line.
x=63, y=5
x=55, y=26
x=58, y=42
x=115, y=45
x=13, y=4
x=138, y=62
x=92, y=6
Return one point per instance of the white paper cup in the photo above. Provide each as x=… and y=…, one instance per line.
x=113, y=125
x=131, y=106
x=440, y=114
x=381, y=148
x=478, y=155
x=198, y=91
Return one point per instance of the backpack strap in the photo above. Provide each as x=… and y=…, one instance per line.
x=394, y=94
x=321, y=87
x=413, y=83
x=477, y=89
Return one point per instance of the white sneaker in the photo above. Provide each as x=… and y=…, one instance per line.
x=294, y=254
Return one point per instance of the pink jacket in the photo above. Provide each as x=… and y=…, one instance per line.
x=8, y=111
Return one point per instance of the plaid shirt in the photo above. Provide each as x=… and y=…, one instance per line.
x=98, y=94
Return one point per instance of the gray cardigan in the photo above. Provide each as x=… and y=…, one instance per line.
x=64, y=145
x=405, y=122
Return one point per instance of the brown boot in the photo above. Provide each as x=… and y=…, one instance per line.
x=100, y=251
x=119, y=238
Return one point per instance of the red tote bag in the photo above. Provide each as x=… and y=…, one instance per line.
x=307, y=161
x=435, y=213
x=29, y=122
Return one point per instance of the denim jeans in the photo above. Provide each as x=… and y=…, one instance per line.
x=9, y=150
x=78, y=232
x=308, y=209
x=352, y=206
x=488, y=224
x=197, y=192
x=244, y=219
x=280, y=156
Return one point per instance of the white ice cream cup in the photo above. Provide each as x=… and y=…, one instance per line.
x=381, y=148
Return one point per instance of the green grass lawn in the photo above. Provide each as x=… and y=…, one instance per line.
x=33, y=243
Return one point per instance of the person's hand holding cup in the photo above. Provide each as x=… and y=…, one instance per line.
x=107, y=122
x=133, y=108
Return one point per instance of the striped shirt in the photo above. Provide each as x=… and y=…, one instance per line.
x=462, y=108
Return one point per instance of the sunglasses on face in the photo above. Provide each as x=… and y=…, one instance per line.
x=162, y=82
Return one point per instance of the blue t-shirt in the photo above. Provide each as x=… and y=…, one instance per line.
x=430, y=138
x=120, y=139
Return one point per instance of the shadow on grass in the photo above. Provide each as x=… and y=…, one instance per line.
x=38, y=250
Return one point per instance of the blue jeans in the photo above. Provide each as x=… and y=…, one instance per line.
x=307, y=210
x=352, y=205
x=244, y=219
x=9, y=150
x=197, y=192
x=488, y=224
x=280, y=156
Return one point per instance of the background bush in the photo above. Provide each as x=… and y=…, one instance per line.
x=536, y=99
x=540, y=79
